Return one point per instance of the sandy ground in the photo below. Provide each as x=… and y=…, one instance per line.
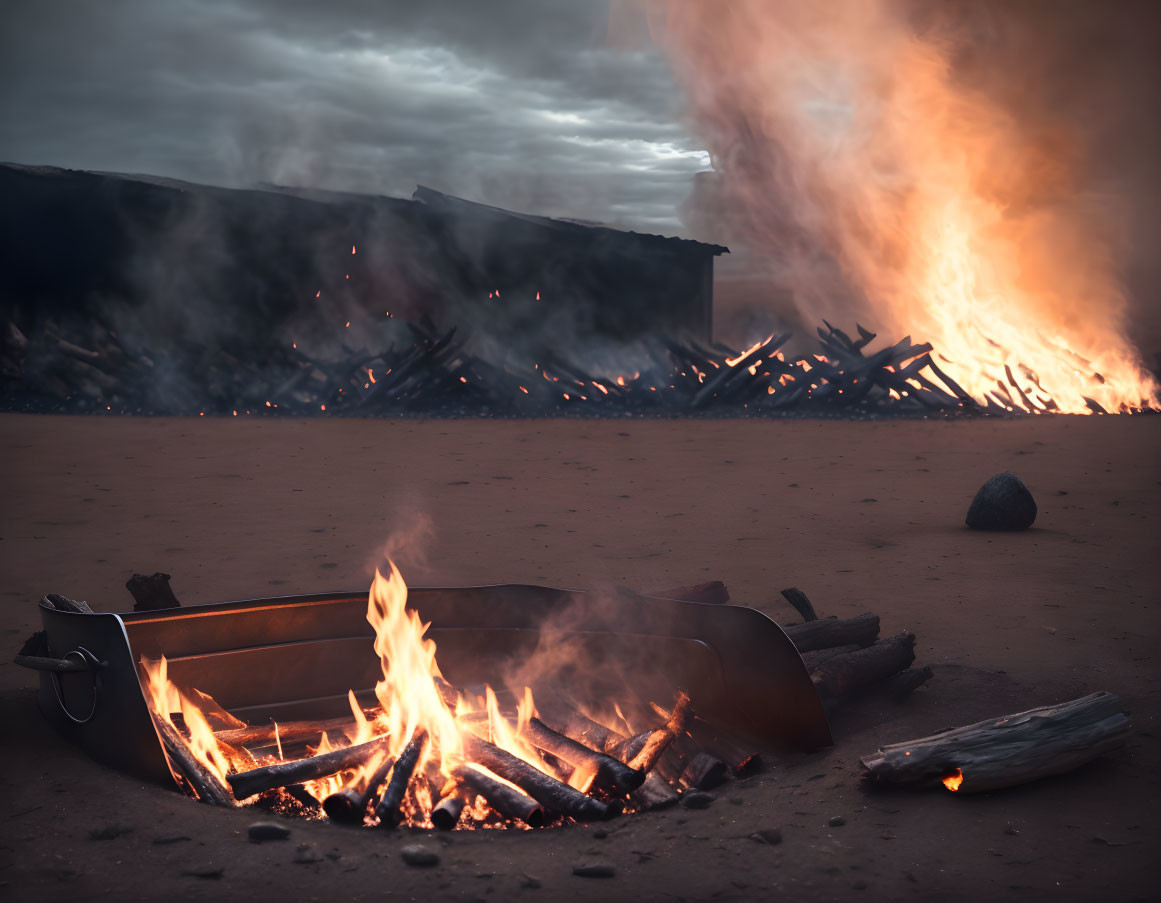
x=863, y=516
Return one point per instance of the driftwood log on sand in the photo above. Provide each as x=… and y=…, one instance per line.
x=1006, y=751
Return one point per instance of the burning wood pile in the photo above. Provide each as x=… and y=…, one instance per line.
x=435, y=756
x=435, y=371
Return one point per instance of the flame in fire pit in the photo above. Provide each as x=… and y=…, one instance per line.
x=415, y=704
x=842, y=130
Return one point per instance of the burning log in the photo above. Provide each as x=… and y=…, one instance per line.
x=204, y=784
x=545, y=789
x=288, y=732
x=702, y=772
x=445, y=815
x=655, y=793
x=1006, y=751
x=861, y=630
x=506, y=800
x=247, y=783
x=349, y=806
x=387, y=811
x=660, y=739
x=608, y=772
x=840, y=676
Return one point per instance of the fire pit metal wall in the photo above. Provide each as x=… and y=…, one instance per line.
x=296, y=657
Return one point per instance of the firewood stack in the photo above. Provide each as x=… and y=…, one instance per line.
x=420, y=368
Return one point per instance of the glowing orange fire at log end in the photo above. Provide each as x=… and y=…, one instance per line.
x=953, y=780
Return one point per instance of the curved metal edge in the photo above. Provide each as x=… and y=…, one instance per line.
x=120, y=732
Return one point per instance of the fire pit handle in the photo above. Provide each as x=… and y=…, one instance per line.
x=80, y=659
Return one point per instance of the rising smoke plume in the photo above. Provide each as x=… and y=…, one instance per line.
x=886, y=172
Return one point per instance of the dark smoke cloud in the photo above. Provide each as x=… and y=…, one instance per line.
x=518, y=104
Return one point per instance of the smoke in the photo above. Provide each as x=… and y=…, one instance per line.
x=918, y=167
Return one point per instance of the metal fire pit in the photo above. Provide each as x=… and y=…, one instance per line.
x=296, y=657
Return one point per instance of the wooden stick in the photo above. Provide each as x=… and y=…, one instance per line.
x=349, y=806
x=545, y=789
x=288, y=732
x=507, y=801
x=445, y=815
x=797, y=598
x=842, y=675
x=387, y=811
x=861, y=630
x=247, y=783
x=655, y=793
x=1006, y=751
x=660, y=739
x=204, y=784
x=609, y=773
x=900, y=686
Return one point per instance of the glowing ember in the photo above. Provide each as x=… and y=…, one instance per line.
x=953, y=780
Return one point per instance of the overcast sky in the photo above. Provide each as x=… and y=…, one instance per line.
x=527, y=105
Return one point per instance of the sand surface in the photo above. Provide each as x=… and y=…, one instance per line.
x=862, y=516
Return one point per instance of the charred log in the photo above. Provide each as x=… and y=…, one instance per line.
x=861, y=630
x=660, y=739
x=1006, y=751
x=844, y=674
x=797, y=598
x=814, y=659
x=349, y=806
x=247, y=783
x=548, y=791
x=608, y=772
x=507, y=801
x=204, y=784
x=388, y=808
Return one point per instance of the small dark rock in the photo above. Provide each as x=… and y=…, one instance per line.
x=697, y=800
x=527, y=881
x=419, y=856
x=262, y=831
x=1011, y=829
x=836, y=821
x=771, y=836
x=1003, y=503
x=600, y=834
x=596, y=870
x=174, y=838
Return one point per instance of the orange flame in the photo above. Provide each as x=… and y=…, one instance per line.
x=956, y=220
x=953, y=780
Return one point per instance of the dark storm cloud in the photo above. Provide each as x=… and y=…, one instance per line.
x=523, y=104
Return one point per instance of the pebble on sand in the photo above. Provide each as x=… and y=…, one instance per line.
x=262, y=831
x=419, y=856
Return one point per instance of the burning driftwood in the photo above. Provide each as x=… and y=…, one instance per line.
x=387, y=810
x=1006, y=751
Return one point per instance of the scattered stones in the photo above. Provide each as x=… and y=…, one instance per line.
x=262, y=831
x=1002, y=503
x=771, y=836
x=836, y=821
x=418, y=855
x=697, y=800
x=594, y=870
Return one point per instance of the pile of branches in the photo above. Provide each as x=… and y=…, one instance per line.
x=434, y=371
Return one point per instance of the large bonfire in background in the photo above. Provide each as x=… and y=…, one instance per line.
x=842, y=136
